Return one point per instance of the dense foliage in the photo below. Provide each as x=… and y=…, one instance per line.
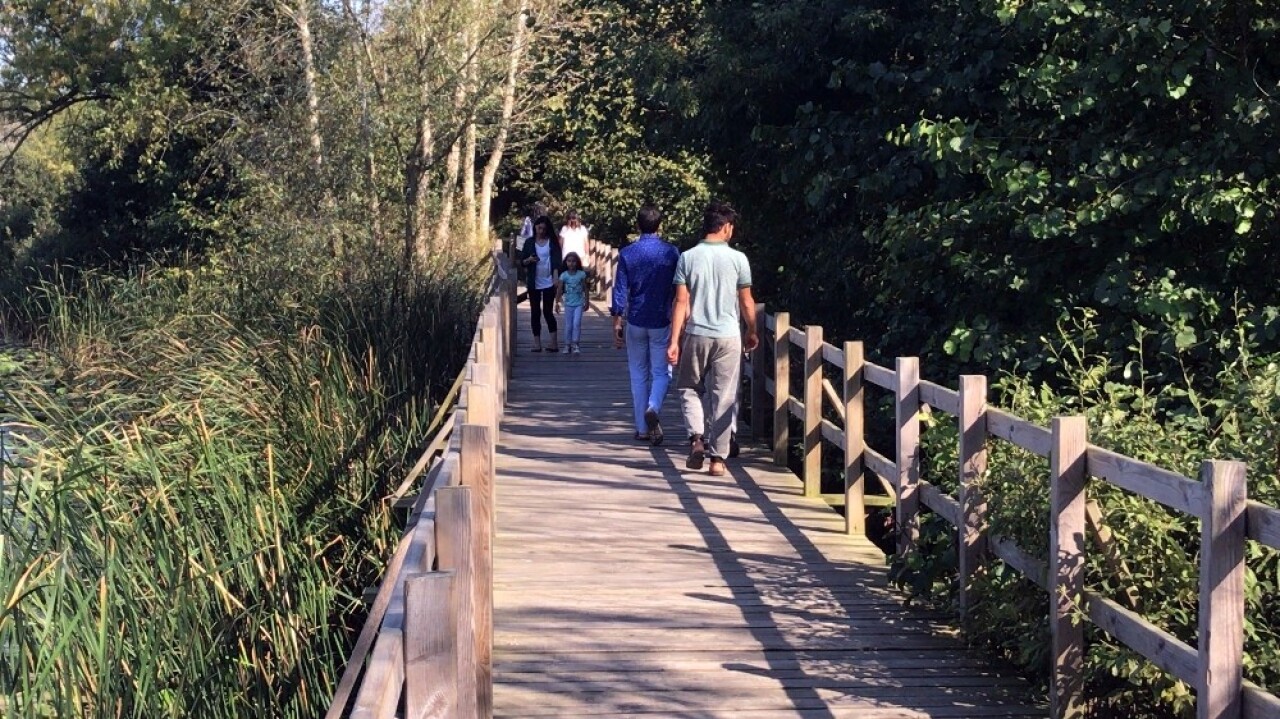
x=1076, y=197
x=234, y=286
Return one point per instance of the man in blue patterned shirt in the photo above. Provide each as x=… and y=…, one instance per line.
x=642, y=296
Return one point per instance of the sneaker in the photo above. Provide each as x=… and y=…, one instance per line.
x=564, y=350
x=654, y=425
x=697, y=453
x=575, y=349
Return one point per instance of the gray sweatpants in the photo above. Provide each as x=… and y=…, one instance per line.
x=707, y=378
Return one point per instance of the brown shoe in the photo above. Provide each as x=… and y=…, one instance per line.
x=718, y=468
x=697, y=453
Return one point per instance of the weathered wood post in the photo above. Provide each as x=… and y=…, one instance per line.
x=513, y=289
x=1222, y=569
x=455, y=535
x=387, y=662
x=482, y=403
x=781, y=387
x=907, y=417
x=430, y=648
x=477, y=473
x=812, y=411
x=1066, y=565
x=973, y=464
x=855, y=510
x=759, y=393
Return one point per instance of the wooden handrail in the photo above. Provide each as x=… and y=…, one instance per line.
x=1217, y=498
x=455, y=664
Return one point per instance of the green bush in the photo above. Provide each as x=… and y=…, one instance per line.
x=1174, y=427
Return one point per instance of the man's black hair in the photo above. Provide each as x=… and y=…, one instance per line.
x=717, y=215
x=649, y=219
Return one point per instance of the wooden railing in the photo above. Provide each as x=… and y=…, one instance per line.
x=604, y=265
x=426, y=646
x=1217, y=498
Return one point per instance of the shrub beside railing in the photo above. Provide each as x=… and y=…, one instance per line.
x=1218, y=499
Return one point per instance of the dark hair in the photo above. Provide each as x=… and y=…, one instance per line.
x=717, y=215
x=649, y=219
x=571, y=256
x=544, y=220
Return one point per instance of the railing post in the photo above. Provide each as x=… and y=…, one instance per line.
x=386, y=660
x=1066, y=565
x=430, y=649
x=759, y=393
x=477, y=473
x=495, y=340
x=482, y=403
x=973, y=464
x=812, y=411
x=1222, y=569
x=907, y=417
x=781, y=388
x=855, y=510
x=455, y=536
x=513, y=292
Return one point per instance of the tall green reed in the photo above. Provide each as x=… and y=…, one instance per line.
x=209, y=455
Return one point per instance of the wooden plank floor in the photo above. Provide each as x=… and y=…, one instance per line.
x=626, y=585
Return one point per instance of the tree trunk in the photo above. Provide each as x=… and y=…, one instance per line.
x=374, y=207
x=302, y=18
x=515, y=57
x=300, y=13
x=422, y=156
x=453, y=164
x=416, y=187
x=469, y=180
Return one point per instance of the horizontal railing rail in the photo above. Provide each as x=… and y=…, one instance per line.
x=1217, y=498
x=425, y=649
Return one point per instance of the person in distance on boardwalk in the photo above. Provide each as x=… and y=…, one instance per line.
x=573, y=238
x=713, y=298
x=541, y=259
x=573, y=292
x=642, y=294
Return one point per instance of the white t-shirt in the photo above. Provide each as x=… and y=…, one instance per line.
x=575, y=240
x=542, y=274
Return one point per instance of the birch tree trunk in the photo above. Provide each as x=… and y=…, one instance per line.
x=469, y=170
x=370, y=162
x=422, y=156
x=416, y=187
x=514, y=59
x=453, y=163
x=479, y=24
x=302, y=18
x=300, y=13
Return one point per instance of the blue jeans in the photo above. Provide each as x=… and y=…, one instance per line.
x=650, y=373
x=573, y=324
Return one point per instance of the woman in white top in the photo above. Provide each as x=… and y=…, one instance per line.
x=573, y=238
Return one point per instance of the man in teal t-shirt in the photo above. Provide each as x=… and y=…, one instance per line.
x=713, y=297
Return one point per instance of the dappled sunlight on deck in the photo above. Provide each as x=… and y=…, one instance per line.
x=626, y=585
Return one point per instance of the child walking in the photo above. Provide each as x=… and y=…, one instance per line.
x=573, y=292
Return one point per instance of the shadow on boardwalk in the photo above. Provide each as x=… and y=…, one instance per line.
x=626, y=585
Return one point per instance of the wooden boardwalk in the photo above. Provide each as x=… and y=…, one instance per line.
x=626, y=585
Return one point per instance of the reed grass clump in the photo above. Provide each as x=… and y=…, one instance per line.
x=204, y=464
